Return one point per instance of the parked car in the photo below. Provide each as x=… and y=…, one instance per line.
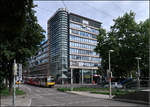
x=113, y=85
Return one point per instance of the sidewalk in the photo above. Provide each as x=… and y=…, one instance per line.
x=102, y=96
x=21, y=100
x=141, y=97
x=90, y=94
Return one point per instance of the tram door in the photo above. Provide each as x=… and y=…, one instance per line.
x=76, y=76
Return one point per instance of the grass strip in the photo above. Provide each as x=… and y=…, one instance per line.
x=5, y=92
x=81, y=89
x=105, y=91
x=114, y=92
x=63, y=89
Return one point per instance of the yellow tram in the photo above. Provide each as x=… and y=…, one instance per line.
x=45, y=81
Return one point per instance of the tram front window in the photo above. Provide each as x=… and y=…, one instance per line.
x=50, y=79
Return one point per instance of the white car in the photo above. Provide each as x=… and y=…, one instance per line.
x=113, y=85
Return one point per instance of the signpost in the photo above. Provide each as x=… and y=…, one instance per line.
x=109, y=76
x=19, y=73
x=71, y=79
x=14, y=88
x=138, y=73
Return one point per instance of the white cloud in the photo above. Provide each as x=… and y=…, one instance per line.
x=103, y=11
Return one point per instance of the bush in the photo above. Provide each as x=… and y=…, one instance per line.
x=95, y=92
x=63, y=89
x=81, y=89
x=114, y=92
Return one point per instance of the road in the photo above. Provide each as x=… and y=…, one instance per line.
x=51, y=97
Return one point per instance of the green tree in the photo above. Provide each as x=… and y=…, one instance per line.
x=143, y=49
x=21, y=39
x=125, y=38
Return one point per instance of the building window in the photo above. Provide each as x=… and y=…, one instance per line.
x=85, y=22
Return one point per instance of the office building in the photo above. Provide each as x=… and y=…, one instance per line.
x=39, y=64
x=72, y=39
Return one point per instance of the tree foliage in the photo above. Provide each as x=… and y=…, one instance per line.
x=128, y=40
x=21, y=34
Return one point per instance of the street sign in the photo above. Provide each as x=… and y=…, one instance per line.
x=137, y=74
x=15, y=69
x=20, y=71
x=109, y=74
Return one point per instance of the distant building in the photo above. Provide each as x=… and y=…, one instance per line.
x=71, y=43
x=39, y=64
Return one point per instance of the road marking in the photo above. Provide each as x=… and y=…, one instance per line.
x=37, y=90
x=30, y=99
x=30, y=102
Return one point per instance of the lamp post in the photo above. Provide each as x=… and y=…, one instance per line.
x=138, y=72
x=71, y=79
x=62, y=82
x=14, y=82
x=110, y=92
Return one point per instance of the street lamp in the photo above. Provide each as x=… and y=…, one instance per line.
x=14, y=82
x=110, y=95
x=138, y=72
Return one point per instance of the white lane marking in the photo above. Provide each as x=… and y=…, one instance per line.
x=30, y=99
x=30, y=102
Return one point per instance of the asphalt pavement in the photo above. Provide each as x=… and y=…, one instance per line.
x=39, y=96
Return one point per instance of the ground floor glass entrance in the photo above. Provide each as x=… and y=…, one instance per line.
x=83, y=76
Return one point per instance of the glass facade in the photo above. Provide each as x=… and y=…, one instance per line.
x=38, y=64
x=58, y=36
x=41, y=56
x=83, y=43
x=84, y=52
x=70, y=47
x=84, y=28
x=84, y=58
x=72, y=40
x=83, y=34
x=83, y=40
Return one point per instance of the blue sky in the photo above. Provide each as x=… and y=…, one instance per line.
x=103, y=11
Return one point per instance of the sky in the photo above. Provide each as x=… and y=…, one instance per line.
x=103, y=11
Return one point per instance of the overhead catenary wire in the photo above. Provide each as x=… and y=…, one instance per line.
x=47, y=10
x=98, y=10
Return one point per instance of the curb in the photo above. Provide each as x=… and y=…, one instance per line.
x=132, y=101
x=90, y=95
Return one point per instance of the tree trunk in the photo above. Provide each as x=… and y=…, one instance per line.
x=10, y=86
x=10, y=78
x=6, y=83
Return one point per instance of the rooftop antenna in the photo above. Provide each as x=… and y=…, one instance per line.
x=64, y=4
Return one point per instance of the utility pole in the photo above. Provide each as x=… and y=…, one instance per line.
x=92, y=76
x=14, y=87
x=62, y=77
x=82, y=77
x=110, y=75
x=71, y=79
x=138, y=73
